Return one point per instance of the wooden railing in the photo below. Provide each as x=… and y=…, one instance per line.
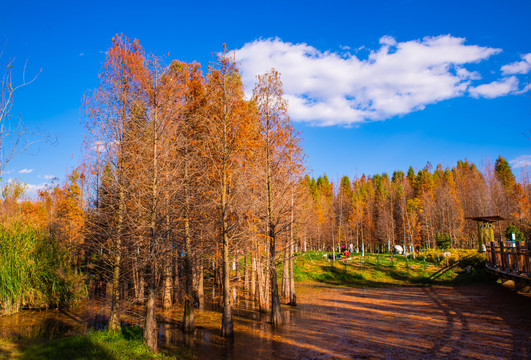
x=510, y=260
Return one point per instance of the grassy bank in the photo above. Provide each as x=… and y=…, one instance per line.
x=95, y=345
x=384, y=270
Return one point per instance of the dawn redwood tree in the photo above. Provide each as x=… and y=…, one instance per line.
x=186, y=94
x=108, y=120
x=281, y=157
x=228, y=141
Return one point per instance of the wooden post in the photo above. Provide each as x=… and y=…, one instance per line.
x=503, y=263
x=480, y=235
x=493, y=252
x=517, y=249
x=526, y=256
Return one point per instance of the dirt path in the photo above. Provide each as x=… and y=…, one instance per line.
x=476, y=322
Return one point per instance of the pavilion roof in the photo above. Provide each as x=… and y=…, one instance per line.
x=487, y=219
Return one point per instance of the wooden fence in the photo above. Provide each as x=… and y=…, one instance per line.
x=513, y=261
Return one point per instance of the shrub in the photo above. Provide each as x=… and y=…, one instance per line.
x=34, y=271
x=519, y=236
x=443, y=241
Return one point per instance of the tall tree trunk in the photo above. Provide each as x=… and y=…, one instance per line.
x=188, y=314
x=285, y=273
x=246, y=269
x=114, y=317
x=200, y=284
x=262, y=286
x=176, y=280
x=227, y=329
x=167, y=289
x=150, y=326
x=293, y=297
x=253, y=280
x=276, y=315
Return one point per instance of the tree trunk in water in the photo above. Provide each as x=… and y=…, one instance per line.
x=238, y=277
x=253, y=280
x=285, y=275
x=227, y=329
x=200, y=285
x=176, y=281
x=114, y=317
x=188, y=315
x=246, y=271
x=166, y=294
x=293, y=297
x=150, y=326
x=262, y=304
x=276, y=314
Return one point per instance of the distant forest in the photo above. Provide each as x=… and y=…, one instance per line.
x=415, y=208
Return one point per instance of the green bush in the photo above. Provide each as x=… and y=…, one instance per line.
x=517, y=233
x=443, y=241
x=34, y=271
x=466, y=257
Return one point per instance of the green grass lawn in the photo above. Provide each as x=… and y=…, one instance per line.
x=384, y=270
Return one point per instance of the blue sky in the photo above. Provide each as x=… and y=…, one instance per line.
x=373, y=86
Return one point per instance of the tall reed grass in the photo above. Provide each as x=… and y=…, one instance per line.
x=34, y=272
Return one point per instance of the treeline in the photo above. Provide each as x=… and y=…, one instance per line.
x=415, y=209
x=188, y=177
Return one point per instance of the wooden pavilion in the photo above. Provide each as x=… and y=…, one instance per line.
x=485, y=229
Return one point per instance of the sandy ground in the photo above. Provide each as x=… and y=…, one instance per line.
x=485, y=321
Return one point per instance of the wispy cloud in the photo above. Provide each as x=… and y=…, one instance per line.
x=328, y=88
x=496, y=88
x=49, y=177
x=521, y=161
x=33, y=189
x=518, y=67
x=25, y=171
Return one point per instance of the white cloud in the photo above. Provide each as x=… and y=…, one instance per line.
x=521, y=161
x=327, y=88
x=99, y=146
x=496, y=88
x=33, y=189
x=25, y=171
x=518, y=67
x=49, y=177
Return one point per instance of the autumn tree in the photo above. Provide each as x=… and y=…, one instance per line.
x=281, y=160
x=109, y=116
x=230, y=130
